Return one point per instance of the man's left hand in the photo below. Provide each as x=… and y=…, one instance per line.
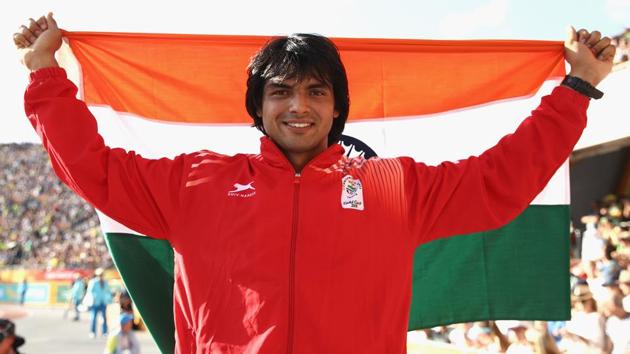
x=589, y=54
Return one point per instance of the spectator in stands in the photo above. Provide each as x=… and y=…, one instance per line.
x=544, y=343
x=586, y=322
x=520, y=344
x=625, y=214
x=555, y=329
x=617, y=324
x=459, y=335
x=608, y=268
x=623, y=248
x=623, y=50
x=624, y=286
x=592, y=245
x=482, y=337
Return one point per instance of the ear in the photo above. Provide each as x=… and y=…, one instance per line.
x=259, y=113
x=335, y=114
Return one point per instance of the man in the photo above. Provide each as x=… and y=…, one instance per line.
x=9, y=341
x=300, y=249
x=99, y=296
x=22, y=289
x=77, y=292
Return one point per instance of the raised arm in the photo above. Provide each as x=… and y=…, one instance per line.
x=488, y=191
x=140, y=193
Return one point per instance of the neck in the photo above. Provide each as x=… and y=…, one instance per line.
x=299, y=156
x=298, y=161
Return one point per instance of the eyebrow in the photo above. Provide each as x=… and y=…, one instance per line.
x=276, y=85
x=282, y=85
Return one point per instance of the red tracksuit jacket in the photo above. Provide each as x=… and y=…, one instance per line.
x=269, y=261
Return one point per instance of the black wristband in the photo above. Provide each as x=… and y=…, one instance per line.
x=582, y=87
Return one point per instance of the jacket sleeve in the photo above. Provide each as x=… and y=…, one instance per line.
x=488, y=191
x=142, y=194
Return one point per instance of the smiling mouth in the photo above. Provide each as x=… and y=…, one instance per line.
x=298, y=124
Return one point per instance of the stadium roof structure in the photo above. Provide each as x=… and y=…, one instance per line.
x=609, y=120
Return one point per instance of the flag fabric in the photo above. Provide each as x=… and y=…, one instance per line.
x=161, y=95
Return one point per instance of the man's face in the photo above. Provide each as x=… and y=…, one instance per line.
x=298, y=115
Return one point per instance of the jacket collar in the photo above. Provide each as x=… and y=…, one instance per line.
x=272, y=154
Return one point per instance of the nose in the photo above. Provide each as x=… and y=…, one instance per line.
x=299, y=104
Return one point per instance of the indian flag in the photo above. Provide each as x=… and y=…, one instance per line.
x=161, y=95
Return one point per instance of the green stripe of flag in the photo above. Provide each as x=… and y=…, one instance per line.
x=519, y=271
x=146, y=266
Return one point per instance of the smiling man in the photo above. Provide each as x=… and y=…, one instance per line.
x=300, y=249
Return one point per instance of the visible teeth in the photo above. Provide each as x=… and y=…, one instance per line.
x=299, y=125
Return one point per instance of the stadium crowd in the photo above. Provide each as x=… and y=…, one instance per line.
x=622, y=42
x=43, y=225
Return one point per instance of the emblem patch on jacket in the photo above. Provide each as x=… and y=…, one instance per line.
x=351, y=193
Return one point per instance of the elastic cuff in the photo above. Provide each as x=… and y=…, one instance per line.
x=45, y=73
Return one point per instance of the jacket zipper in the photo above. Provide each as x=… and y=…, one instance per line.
x=294, y=231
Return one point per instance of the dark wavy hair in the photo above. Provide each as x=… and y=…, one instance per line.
x=299, y=56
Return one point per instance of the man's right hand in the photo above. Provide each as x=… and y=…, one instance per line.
x=37, y=43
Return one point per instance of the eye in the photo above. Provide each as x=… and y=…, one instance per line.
x=278, y=92
x=318, y=92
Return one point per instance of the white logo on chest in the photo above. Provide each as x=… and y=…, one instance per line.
x=243, y=190
x=351, y=193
